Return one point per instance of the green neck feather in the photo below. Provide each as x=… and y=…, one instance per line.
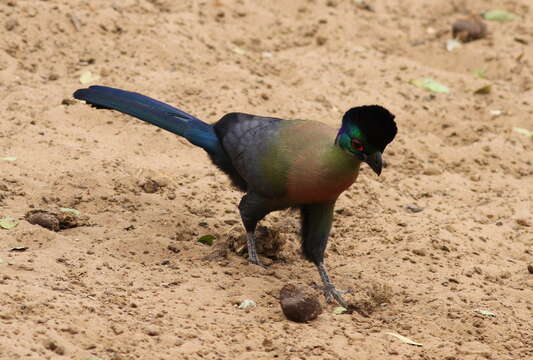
x=345, y=140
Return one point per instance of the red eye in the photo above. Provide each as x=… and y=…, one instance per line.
x=356, y=145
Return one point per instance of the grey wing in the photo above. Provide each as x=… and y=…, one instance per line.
x=245, y=138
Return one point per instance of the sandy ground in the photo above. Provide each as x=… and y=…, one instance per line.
x=132, y=282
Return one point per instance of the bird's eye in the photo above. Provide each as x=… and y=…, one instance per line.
x=356, y=145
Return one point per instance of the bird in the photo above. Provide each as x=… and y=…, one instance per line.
x=277, y=163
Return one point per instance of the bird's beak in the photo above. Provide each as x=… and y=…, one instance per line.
x=374, y=161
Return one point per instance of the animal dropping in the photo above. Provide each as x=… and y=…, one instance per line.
x=469, y=29
x=299, y=305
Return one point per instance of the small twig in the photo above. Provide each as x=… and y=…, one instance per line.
x=75, y=21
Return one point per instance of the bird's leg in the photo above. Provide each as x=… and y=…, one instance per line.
x=253, y=208
x=329, y=289
x=316, y=225
x=252, y=252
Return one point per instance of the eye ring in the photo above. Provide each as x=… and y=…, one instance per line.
x=356, y=145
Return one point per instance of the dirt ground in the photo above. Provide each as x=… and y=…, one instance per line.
x=131, y=281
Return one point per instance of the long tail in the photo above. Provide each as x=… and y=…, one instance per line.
x=155, y=112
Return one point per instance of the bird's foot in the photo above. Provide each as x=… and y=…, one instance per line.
x=252, y=252
x=333, y=295
x=257, y=262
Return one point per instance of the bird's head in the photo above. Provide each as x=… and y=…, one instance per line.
x=365, y=132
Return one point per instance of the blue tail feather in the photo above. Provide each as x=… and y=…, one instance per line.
x=155, y=112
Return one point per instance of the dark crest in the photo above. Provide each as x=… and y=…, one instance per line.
x=375, y=122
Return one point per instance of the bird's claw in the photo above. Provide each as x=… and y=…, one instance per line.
x=325, y=289
x=333, y=295
x=258, y=263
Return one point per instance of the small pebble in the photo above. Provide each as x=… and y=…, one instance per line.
x=523, y=222
x=55, y=347
x=530, y=268
x=452, y=44
x=11, y=24
x=321, y=40
x=174, y=249
x=67, y=101
x=150, y=186
x=230, y=221
x=432, y=171
x=247, y=304
x=152, y=331
x=413, y=208
x=419, y=252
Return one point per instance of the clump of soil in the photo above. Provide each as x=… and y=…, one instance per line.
x=298, y=304
x=269, y=243
x=469, y=29
x=219, y=251
x=376, y=295
x=54, y=220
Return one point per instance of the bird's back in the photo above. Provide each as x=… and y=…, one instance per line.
x=294, y=160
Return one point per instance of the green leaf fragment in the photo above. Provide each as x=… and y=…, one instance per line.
x=404, y=339
x=499, y=15
x=480, y=73
x=485, y=312
x=9, y=158
x=431, y=85
x=69, y=210
x=523, y=131
x=339, y=310
x=8, y=223
x=207, y=239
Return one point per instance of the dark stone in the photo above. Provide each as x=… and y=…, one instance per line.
x=298, y=305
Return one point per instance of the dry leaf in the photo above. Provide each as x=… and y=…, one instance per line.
x=404, y=339
x=523, y=131
x=431, y=85
x=238, y=51
x=499, y=15
x=485, y=312
x=484, y=90
x=8, y=223
x=339, y=310
x=71, y=211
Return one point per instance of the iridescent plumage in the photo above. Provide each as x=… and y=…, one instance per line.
x=278, y=163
